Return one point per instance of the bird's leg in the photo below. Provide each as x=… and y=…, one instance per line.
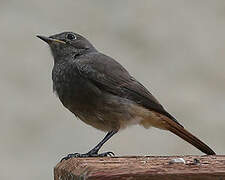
x=94, y=151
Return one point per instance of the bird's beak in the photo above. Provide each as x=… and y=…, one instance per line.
x=50, y=40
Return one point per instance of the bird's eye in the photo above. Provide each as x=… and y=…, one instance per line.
x=71, y=36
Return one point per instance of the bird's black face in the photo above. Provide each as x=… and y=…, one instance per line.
x=67, y=44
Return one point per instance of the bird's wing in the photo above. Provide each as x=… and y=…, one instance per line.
x=108, y=75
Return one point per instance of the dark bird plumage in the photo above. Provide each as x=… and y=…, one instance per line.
x=102, y=93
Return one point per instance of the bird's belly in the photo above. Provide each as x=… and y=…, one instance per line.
x=114, y=113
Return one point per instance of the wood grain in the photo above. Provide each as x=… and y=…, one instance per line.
x=142, y=168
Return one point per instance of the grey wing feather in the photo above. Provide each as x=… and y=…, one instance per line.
x=108, y=75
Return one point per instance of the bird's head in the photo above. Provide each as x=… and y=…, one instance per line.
x=67, y=44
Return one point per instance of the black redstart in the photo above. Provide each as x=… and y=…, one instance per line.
x=100, y=92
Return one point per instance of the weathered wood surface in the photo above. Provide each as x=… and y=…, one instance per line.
x=142, y=168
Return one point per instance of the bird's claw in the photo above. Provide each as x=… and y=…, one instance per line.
x=105, y=154
x=78, y=155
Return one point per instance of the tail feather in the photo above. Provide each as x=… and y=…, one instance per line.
x=187, y=136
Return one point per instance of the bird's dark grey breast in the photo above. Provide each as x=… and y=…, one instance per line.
x=73, y=90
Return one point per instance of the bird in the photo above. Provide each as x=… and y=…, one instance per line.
x=101, y=92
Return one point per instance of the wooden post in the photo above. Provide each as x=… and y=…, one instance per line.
x=142, y=168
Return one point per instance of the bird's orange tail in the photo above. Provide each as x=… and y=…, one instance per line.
x=187, y=136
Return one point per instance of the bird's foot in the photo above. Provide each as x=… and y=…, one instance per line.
x=89, y=154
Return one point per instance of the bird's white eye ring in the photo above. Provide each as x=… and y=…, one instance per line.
x=71, y=36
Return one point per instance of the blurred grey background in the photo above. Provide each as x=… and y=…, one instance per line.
x=175, y=48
